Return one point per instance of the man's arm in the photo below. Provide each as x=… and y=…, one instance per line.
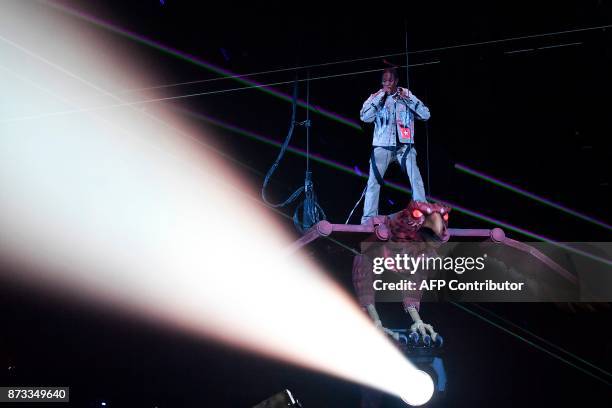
x=371, y=107
x=415, y=104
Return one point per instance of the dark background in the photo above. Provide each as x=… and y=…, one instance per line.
x=538, y=119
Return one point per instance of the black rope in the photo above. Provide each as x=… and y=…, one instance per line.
x=311, y=210
x=281, y=153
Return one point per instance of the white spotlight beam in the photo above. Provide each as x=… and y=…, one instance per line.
x=117, y=209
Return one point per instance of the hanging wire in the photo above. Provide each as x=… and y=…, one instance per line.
x=176, y=97
x=406, y=52
x=427, y=148
x=360, y=59
x=503, y=40
x=312, y=212
x=307, y=124
x=412, y=162
x=408, y=124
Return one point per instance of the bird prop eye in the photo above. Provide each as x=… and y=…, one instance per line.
x=445, y=217
x=416, y=213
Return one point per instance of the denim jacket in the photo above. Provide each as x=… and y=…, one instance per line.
x=393, y=116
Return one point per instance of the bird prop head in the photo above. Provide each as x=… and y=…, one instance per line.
x=421, y=221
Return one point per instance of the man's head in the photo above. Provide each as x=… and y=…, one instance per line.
x=389, y=80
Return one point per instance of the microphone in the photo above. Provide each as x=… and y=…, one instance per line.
x=383, y=99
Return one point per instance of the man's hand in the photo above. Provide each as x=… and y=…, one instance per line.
x=403, y=93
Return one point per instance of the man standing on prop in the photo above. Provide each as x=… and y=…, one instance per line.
x=392, y=109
